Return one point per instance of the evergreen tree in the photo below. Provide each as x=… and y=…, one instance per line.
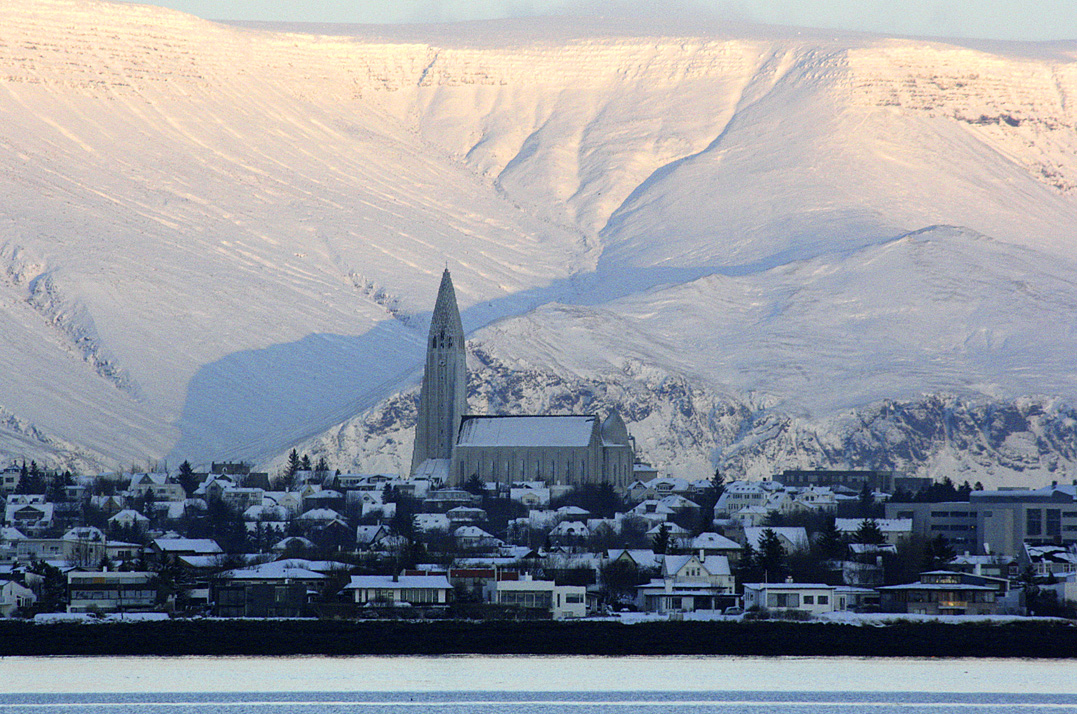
x=938, y=553
x=304, y=463
x=771, y=556
x=747, y=567
x=291, y=469
x=475, y=485
x=867, y=501
x=830, y=543
x=660, y=543
x=869, y=533
x=187, y=480
x=707, y=501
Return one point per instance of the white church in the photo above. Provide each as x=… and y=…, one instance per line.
x=454, y=446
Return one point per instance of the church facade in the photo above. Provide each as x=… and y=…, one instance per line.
x=455, y=446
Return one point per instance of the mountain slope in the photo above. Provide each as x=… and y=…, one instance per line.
x=219, y=242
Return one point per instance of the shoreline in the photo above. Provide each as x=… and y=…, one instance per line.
x=1037, y=639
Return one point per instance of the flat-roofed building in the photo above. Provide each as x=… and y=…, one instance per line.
x=110, y=591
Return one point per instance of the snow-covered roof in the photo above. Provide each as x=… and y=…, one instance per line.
x=526, y=431
x=576, y=528
x=278, y=570
x=471, y=532
x=886, y=525
x=197, y=546
x=646, y=558
x=439, y=582
x=790, y=586
x=715, y=541
x=434, y=469
x=367, y=534
x=938, y=586
x=10, y=533
x=297, y=541
x=672, y=528
x=796, y=535
x=128, y=514
x=84, y=533
x=713, y=564
x=320, y=514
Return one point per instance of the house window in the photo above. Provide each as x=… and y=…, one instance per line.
x=824, y=599
x=809, y=599
x=783, y=600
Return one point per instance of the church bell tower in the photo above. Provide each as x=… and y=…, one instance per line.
x=442, y=400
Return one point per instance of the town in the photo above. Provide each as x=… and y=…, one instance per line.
x=314, y=543
x=525, y=516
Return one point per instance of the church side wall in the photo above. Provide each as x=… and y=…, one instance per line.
x=554, y=465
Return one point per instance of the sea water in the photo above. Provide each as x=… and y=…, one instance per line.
x=532, y=685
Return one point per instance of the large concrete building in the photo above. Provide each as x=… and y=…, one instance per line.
x=455, y=446
x=998, y=522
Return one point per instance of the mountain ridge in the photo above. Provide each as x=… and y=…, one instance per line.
x=225, y=242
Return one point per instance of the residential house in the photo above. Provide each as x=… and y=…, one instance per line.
x=84, y=546
x=108, y=591
x=475, y=538
x=793, y=538
x=465, y=515
x=652, y=511
x=942, y=593
x=155, y=486
x=9, y=479
x=1048, y=560
x=160, y=548
x=14, y=596
x=658, y=488
x=569, y=533
x=9, y=544
x=813, y=598
x=997, y=566
x=119, y=551
x=689, y=583
x=562, y=602
x=241, y=498
x=370, y=536
x=739, y=495
x=238, y=598
x=400, y=590
x=715, y=544
x=532, y=494
x=430, y=522
x=293, y=543
x=30, y=513
x=129, y=518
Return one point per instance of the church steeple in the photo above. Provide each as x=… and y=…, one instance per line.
x=442, y=400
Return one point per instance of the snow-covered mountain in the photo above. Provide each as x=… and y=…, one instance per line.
x=771, y=249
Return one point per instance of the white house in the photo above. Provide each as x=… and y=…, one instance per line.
x=688, y=584
x=562, y=601
x=400, y=590
x=14, y=596
x=469, y=537
x=814, y=598
x=129, y=518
